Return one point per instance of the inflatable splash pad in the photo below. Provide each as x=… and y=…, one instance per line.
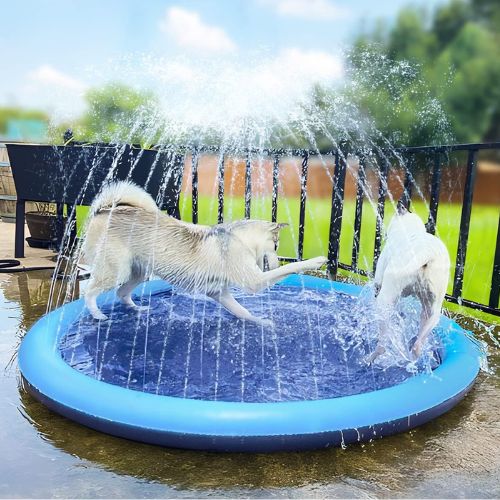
x=185, y=373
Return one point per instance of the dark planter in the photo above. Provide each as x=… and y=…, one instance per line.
x=42, y=227
x=59, y=174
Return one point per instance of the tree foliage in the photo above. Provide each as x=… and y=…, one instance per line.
x=119, y=113
x=429, y=78
x=453, y=58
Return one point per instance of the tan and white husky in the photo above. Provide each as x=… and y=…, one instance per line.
x=128, y=239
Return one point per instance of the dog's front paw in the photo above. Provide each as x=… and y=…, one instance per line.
x=314, y=263
x=266, y=323
x=100, y=316
x=138, y=309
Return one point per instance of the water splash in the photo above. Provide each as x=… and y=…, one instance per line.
x=214, y=103
x=231, y=361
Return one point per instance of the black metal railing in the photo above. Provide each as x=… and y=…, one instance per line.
x=380, y=160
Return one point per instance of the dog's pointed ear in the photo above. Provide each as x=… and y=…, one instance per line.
x=278, y=226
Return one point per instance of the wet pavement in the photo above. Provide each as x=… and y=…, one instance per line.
x=45, y=455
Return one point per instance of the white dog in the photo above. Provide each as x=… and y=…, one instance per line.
x=128, y=239
x=413, y=262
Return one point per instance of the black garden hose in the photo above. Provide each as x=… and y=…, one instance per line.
x=10, y=266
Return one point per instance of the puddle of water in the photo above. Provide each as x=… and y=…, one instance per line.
x=453, y=456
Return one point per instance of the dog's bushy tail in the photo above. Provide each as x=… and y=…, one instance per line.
x=123, y=193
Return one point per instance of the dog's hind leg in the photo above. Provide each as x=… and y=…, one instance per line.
x=431, y=292
x=226, y=299
x=428, y=320
x=386, y=299
x=111, y=272
x=124, y=292
x=91, y=303
x=379, y=350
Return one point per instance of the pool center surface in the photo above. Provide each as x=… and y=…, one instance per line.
x=186, y=346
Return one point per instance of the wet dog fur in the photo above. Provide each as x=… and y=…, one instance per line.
x=413, y=262
x=128, y=239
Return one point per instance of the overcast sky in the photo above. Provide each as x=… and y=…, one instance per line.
x=54, y=50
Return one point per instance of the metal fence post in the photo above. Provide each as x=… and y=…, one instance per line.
x=465, y=223
x=358, y=213
x=435, y=190
x=194, y=185
x=302, y=209
x=19, y=238
x=382, y=193
x=336, y=213
x=495, y=276
x=248, y=186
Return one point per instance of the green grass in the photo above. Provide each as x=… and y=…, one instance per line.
x=480, y=250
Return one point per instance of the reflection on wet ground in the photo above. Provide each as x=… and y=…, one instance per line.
x=46, y=455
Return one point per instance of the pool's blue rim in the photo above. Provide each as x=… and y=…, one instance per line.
x=234, y=426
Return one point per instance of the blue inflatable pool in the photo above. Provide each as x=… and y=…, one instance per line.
x=186, y=374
